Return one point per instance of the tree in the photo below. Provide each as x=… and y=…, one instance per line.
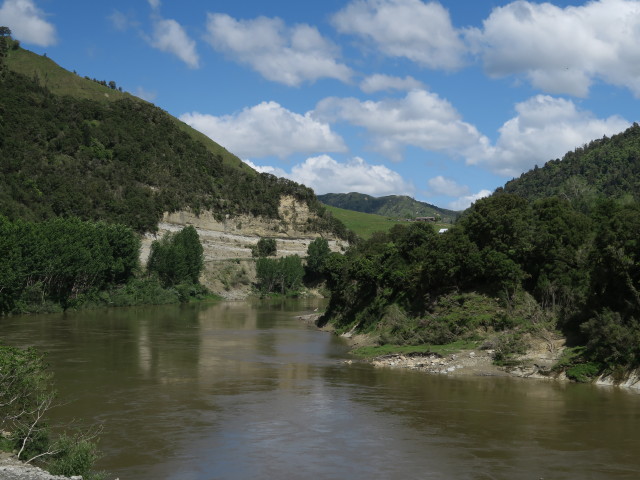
x=266, y=247
x=177, y=258
x=5, y=34
x=26, y=396
x=282, y=275
x=317, y=253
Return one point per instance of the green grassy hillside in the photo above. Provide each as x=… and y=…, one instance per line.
x=394, y=206
x=365, y=224
x=62, y=82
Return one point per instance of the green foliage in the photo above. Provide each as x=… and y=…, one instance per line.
x=442, y=350
x=550, y=262
x=137, y=291
x=363, y=224
x=177, y=258
x=574, y=363
x=75, y=455
x=26, y=395
x=607, y=167
x=57, y=261
x=613, y=339
x=508, y=346
x=266, y=247
x=121, y=160
x=317, y=253
x=584, y=372
x=282, y=275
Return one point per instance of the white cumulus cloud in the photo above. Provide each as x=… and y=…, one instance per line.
x=27, y=22
x=446, y=186
x=421, y=118
x=563, y=50
x=288, y=55
x=277, y=171
x=147, y=95
x=169, y=36
x=465, y=201
x=267, y=129
x=544, y=128
x=380, y=82
x=419, y=31
x=326, y=175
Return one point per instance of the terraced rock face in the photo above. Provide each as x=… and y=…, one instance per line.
x=232, y=238
x=227, y=243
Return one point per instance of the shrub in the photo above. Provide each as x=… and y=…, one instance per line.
x=266, y=247
x=75, y=455
x=177, y=258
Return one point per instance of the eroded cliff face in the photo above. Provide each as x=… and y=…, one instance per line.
x=227, y=243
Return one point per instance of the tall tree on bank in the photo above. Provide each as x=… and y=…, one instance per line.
x=177, y=258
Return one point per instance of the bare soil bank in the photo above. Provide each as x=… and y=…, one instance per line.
x=538, y=362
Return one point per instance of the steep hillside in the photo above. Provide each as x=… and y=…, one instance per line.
x=96, y=153
x=608, y=167
x=395, y=206
x=59, y=81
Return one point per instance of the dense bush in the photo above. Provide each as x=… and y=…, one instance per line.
x=124, y=162
x=544, y=261
x=317, y=253
x=26, y=396
x=177, y=258
x=266, y=247
x=58, y=261
x=282, y=275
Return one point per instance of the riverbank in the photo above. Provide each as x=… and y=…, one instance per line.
x=13, y=469
x=538, y=362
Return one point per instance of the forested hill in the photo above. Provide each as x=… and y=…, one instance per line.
x=608, y=167
x=63, y=82
x=119, y=160
x=397, y=206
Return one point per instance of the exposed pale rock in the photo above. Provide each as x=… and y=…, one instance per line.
x=227, y=243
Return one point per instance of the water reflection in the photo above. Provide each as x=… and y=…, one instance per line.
x=244, y=390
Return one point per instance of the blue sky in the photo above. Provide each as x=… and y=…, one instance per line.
x=443, y=101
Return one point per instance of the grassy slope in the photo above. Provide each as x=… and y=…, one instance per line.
x=365, y=224
x=395, y=206
x=63, y=82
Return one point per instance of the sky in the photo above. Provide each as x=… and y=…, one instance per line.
x=444, y=101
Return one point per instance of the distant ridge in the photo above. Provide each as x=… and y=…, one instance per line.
x=394, y=206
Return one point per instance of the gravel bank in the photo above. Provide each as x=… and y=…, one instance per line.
x=13, y=469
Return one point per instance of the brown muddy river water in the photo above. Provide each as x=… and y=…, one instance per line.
x=243, y=390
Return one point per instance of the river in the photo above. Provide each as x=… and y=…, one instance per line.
x=244, y=390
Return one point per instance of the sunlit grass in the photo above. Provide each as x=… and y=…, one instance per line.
x=363, y=224
x=448, y=349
